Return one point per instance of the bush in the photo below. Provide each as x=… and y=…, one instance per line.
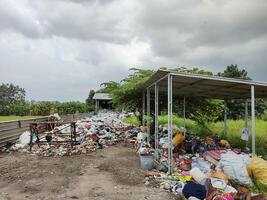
x=44, y=108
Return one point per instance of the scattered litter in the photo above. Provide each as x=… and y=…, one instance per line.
x=92, y=133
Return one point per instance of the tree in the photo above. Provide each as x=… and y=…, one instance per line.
x=89, y=99
x=232, y=71
x=236, y=108
x=126, y=93
x=10, y=93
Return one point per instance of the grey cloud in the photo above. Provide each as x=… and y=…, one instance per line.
x=19, y=19
x=59, y=50
x=102, y=20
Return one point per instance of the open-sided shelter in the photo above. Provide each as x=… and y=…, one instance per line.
x=189, y=85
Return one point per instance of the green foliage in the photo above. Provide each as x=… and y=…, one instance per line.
x=125, y=94
x=44, y=108
x=10, y=93
x=47, y=108
x=236, y=108
x=232, y=71
x=132, y=121
x=264, y=116
x=89, y=99
x=193, y=70
x=234, y=133
x=10, y=96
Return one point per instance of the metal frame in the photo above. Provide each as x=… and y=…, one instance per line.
x=170, y=157
x=246, y=118
x=156, y=121
x=184, y=116
x=144, y=108
x=148, y=115
x=253, y=120
x=169, y=76
x=225, y=118
x=43, y=128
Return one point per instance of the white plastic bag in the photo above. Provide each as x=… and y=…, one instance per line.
x=25, y=138
x=235, y=166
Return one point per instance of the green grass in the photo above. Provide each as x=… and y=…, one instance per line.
x=234, y=131
x=132, y=121
x=12, y=117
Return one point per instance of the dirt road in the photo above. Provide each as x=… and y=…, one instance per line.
x=112, y=173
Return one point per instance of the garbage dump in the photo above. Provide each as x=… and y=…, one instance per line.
x=91, y=133
x=202, y=168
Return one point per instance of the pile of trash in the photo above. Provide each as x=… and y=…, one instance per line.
x=202, y=168
x=96, y=132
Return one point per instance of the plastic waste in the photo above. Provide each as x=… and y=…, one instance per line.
x=257, y=169
x=146, y=162
x=201, y=164
x=178, y=139
x=198, y=176
x=234, y=165
x=218, y=183
x=25, y=138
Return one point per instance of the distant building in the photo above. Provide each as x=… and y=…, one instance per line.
x=102, y=101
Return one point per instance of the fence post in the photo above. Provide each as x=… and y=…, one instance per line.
x=19, y=123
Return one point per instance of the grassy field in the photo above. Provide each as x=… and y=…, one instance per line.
x=234, y=131
x=12, y=117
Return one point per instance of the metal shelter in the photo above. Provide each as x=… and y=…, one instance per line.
x=98, y=97
x=188, y=85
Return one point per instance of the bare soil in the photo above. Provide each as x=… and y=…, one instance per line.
x=112, y=173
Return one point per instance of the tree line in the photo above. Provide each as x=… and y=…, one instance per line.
x=12, y=102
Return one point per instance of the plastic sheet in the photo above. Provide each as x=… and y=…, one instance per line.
x=234, y=166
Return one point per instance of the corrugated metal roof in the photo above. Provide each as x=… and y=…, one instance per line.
x=102, y=96
x=196, y=85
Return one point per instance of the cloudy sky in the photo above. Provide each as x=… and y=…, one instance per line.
x=59, y=50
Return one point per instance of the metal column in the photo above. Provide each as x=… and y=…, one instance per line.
x=96, y=105
x=170, y=167
x=148, y=115
x=246, y=114
x=184, y=117
x=143, y=108
x=156, y=120
x=253, y=119
x=246, y=118
x=225, y=118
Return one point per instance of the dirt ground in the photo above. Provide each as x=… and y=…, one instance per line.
x=112, y=173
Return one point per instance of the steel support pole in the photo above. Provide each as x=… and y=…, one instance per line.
x=156, y=120
x=184, y=116
x=225, y=118
x=148, y=115
x=246, y=118
x=96, y=105
x=143, y=108
x=253, y=120
x=170, y=167
x=246, y=114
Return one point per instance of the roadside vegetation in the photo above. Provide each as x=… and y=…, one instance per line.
x=13, y=103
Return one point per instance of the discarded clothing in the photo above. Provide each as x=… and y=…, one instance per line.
x=192, y=189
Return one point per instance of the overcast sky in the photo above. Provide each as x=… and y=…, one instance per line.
x=59, y=50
